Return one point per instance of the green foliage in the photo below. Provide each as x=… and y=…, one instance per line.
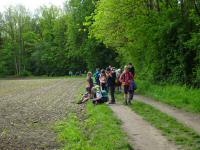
x=15, y=21
x=159, y=37
x=6, y=62
x=175, y=95
x=98, y=129
x=91, y=51
x=175, y=131
x=70, y=131
x=98, y=56
x=51, y=42
x=25, y=73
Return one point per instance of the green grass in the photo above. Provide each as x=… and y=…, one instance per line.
x=174, y=95
x=177, y=132
x=170, y=127
x=98, y=129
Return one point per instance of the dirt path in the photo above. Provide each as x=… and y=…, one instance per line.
x=190, y=119
x=29, y=108
x=141, y=134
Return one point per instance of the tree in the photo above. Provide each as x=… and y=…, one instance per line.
x=154, y=35
x=15, y=22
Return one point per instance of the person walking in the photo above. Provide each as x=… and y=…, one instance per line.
x=133, y=85
x=111, y=77
x=126, y=78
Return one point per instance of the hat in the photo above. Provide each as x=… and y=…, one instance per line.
x=97, y=87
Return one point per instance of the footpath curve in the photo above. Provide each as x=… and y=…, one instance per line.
x=190, y=119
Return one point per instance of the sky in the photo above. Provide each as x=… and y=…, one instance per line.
x=30, y=4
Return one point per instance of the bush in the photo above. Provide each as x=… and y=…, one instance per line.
x=25, y=73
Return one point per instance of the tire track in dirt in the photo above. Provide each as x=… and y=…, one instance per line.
x=192, y=120
x=26, y=118
x=142, y=136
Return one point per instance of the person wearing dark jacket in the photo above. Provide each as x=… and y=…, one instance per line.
x=111, y=77
x=96, y=76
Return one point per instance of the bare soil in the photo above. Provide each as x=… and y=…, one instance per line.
x=142, y=136
x=30, y=108
x=192, y=120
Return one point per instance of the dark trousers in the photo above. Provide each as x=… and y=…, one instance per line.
x=103, y=86
x=131, y=94
x=98, y=82
x=112, y=93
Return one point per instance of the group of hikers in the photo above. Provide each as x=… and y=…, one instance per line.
x=107, y=81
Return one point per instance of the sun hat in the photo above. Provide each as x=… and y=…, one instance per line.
x=97, y=87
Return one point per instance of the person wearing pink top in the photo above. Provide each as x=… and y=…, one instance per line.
x=126, y=78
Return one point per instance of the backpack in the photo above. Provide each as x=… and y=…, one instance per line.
x=96, y=76
x=133, y=85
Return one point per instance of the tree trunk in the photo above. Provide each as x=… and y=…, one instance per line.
x=151, y=4
x=158, y=5
x=20, y=44
x=16, y=66
x=196, y=4
x=182, y=6
x=12, y=34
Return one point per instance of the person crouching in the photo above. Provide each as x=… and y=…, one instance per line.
x=99, y=96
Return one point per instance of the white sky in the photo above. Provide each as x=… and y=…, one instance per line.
x=30, y=4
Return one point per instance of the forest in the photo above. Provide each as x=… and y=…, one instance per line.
x=160, y=37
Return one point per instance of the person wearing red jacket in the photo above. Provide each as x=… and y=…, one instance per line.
x=126, y=78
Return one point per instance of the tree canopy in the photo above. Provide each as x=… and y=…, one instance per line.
x=160, y=37
x=51, y=41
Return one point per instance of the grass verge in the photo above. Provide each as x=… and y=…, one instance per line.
x=170, y=127
x=98, y=129
x=174, y=95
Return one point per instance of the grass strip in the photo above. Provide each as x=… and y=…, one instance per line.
x=169, y=126
x=174, y=95
x=99, y=129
